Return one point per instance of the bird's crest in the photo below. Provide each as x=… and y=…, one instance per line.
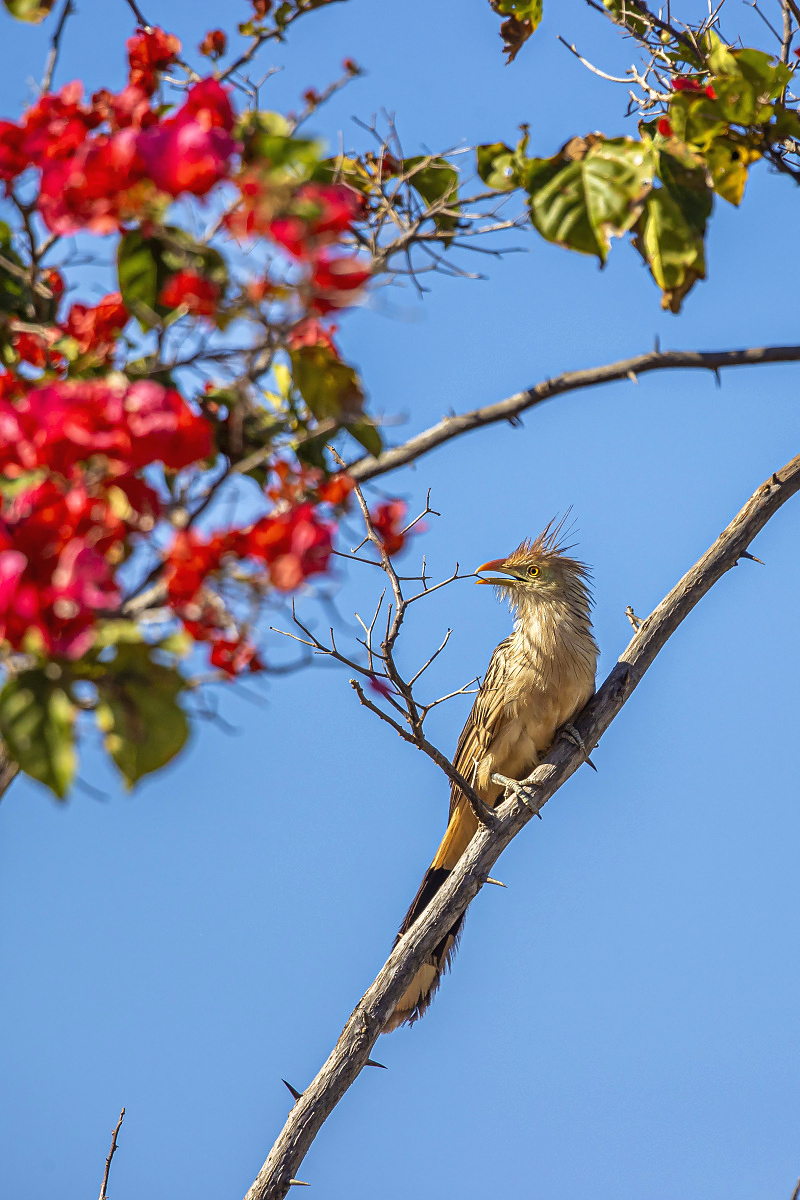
x=551, y=543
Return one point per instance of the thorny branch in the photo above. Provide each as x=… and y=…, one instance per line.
x=509, y=409
x=352, y=1051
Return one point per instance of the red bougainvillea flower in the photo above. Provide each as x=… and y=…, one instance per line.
x=190, y=560
x=335, y=282
x=194, y=292
x=150, y=51
x=208, y=102
x=88, y=190
x=294, y=545
x=685, y=83
x=13, y=157
x=163, y=428
x=213, y=44
x=191, y=151
x=57, y=124
x=310, y=332
x=235, y=657
x=69, y=422
x=96, y=329
x=664, y=127
x=336, y=489
x=55, y=281
x=388, y=520
x=30, y=348
x=320, y=215
x=130, y=107
x=54, y=576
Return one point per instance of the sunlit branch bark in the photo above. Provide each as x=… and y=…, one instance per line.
x=352, y=1051
x=510, y=408
x=8, y=770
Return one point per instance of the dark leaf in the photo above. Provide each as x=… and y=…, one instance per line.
x=15, y=296
x=330, y=388
x=672, y=246
x=522, y=19
x=138, y=711
x=436, y=181
x=37, y=720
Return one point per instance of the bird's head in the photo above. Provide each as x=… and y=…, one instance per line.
x=540, y=571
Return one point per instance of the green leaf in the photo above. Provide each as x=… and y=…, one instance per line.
x=435, y=181
x=685, y=177
x=767, y=76
x=625, y=15
x=15, y=296
x=113, y=632
x=330, y=388
x=496, y=166
x=32, y=11
x=367, y=435
x=266, y=141
x=344, y=170
x=141, y=275
x=144, y=264
x=672, y=246
x=37, y=721
x=138, y=711
x=591, y=191
x=728, y=162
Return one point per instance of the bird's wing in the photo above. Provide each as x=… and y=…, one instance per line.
x=483, y=721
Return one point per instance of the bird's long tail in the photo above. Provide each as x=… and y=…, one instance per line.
x=420, y=992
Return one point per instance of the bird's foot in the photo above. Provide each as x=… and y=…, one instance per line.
x=571, y=734
x=522, y=789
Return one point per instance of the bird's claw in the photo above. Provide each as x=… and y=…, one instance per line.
x=571, y=734
x=519, y=788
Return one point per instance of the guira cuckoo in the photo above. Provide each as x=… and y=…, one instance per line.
x=537, y=680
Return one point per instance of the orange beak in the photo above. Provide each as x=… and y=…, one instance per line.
x=496, y=564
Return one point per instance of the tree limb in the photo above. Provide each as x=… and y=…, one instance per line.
x=8, y=770
x=352, y=1051
x=506, y=410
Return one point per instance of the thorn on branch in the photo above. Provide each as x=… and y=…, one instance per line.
x=371, y=1063
x=635, y=621
x=293, y=1090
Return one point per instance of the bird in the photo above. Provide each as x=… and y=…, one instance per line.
x=538, y=679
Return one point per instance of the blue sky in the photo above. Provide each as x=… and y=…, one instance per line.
x=621, y=1022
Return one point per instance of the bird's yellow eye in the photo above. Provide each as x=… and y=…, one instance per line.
x=533, y=572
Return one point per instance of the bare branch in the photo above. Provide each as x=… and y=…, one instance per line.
x=55, y=46
x=507, y=410
x=354, y=1047
x=111, y=1153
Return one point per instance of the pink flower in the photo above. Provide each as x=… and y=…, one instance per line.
x=185, y=157
x=82, y=579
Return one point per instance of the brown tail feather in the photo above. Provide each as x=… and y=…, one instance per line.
x=423, y=986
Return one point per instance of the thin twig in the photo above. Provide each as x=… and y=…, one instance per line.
x=55, y=46
x=111, y=1153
